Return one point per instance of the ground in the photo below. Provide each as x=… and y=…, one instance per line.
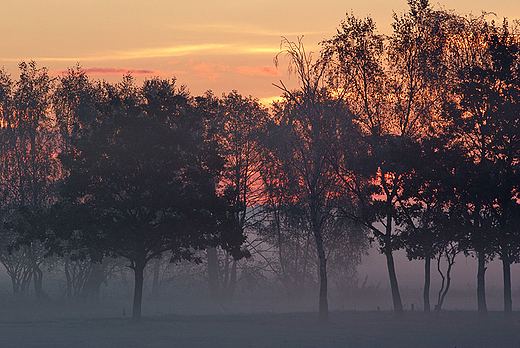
x=301, y=329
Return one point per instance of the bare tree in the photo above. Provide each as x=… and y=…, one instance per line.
x=307, y=120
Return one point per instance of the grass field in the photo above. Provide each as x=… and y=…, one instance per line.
x=346, y=329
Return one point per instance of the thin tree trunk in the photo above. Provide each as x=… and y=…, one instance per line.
x=16, y=287
x=38, y=282
x=213, y=269
x=481, y=285
x=37, y=273
x=427, y=279
x=323, y=302
x=508, y=302
x=305, y=263
x=95, y=278
x=155, y=282
x=450, y=259
x=138, y=290
x=396, y=296
x=232, y=280
x=68, y=291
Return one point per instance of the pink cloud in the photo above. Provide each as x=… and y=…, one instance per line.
x=121, y=71
x=118, y=71
x=258, y=71
x=208, y=70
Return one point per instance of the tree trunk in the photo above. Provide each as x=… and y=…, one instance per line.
x=396, y=296
x=38, y=282
x=15, y=286
x=138, y=290
x=95, y=278
x=232, y=281
x=446, y=280
x=481, y=285
x=427, y=278
x=508, y=302
x=37, y=273
x=213, y=269
x=323, y=302
x=155, y=282
x=68, y=291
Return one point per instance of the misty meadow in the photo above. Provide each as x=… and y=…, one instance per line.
x=142, y=215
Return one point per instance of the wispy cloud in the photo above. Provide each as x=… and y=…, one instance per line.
x=158, y=52
x=178, y=51
x=241, y=29
x=258, y=71
x=173, y=51
x=121, y=71
x=43, y=59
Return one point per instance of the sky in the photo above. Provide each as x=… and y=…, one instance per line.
x=219, y=45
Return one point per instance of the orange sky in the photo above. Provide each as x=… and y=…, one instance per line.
x=219, y=45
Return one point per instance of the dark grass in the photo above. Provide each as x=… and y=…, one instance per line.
x=461, y=329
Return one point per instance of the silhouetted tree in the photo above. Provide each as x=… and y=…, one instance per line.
x=30, y=168
x=307, y=122
x=487, y=122
x=237, y=122
x=485, y=117
x=142, y=182
x=392, y=86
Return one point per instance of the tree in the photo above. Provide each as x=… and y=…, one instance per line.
x=75, y=104
x=485, y=121
x=142, y=182
x=30, y=169
x=237, y=123
x=307, y=121
x=504, y=83
x=392, y=87
x=285, y=227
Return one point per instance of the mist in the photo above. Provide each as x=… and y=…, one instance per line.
x=375, y=203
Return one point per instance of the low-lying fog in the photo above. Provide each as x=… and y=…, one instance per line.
x=462, y=293
x=184, y=291
x=260, y=313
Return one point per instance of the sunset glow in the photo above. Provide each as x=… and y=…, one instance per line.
x=219, y=46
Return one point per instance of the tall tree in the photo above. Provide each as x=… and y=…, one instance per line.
x=237, y=123
x=486, y=124
x=143, y=181
x=392, y=86
x=30, y=168
x=307, y=122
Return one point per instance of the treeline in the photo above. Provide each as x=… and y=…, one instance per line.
x=93, y=172
x=411, y=140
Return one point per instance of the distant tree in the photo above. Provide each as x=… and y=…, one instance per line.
x=285, y=228
x=236, y=122
x=74, y=103
x=142, y=182
x=30, y=169
x=17, y=264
